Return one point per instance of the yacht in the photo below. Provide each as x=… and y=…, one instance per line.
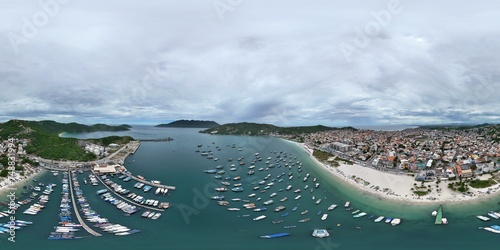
x=320, y=233
x=259, y=218
x=331, y=207
x=483, y=218
x=493, y=229
x=269, y=202
x=324, y=216
x=493, y=214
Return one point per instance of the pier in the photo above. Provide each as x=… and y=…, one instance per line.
x=133, y=202
x=77, y=214
x=159, y=140
x=147, y=182
x=439, y=216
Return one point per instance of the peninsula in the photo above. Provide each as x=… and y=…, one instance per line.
x=247, y=128
x=189, y=124
x=41, y=138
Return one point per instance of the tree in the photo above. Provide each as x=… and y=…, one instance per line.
x=4, y=173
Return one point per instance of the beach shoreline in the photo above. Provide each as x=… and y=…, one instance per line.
x=398, y=188
x=6, y=186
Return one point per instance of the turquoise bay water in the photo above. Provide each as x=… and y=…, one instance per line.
x=197, y=222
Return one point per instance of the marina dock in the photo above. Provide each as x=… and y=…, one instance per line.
x=129, y=201
x=77, y=213
x=148, y=182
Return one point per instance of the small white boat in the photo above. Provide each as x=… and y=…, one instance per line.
x=324, y=216
x=156, y=216
x=259, y=218
x=395, y=221
x=379, y=219
x=347, y=203
x=483, y=218
x=331, y=207
x=493, y=229
x=493, y=215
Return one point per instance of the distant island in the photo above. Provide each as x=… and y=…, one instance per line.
x=42, y=138
x=246, y=128
x=189, y=124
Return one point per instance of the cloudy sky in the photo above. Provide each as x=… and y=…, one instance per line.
x=285, y=62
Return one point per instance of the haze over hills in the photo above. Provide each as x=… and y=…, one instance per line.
x=189, y=124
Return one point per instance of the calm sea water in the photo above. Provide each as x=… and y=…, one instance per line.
x=197, y=222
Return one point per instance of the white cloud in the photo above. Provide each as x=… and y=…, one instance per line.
x=268, y=61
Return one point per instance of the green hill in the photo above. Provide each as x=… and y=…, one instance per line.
x=246, y=128
x=189, y=124
x=46, y=143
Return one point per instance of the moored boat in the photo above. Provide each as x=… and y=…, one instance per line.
x=379, y=219
x=396, y=221
x=324, y=216
x=493, y=214
x=259, y=218
x=360, y=215
x=272, y=236
x=493, y=229
x=483, y=218
x=320, y=233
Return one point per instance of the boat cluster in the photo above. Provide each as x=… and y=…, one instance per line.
x=5, y=228
x=122, y=205
x=492, y=214
x=138, y=199
x=116, y=187
x=151, y=215
x=93, y=180
x=67, y=228
x=358, y=214
x=101, y=222
x=257, y=203
x=42, y=200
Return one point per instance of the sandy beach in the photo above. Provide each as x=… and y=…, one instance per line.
x=18, y=180
x=400, y=187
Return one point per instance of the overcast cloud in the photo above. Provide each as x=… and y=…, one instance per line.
x=285, y=62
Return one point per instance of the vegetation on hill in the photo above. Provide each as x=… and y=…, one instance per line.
x=105, y=141
x=246, y=128
x=44, y=140
x=15, y=127
x=189, y=124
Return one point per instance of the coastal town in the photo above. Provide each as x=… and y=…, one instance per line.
x=450, y=153
x=466, y=161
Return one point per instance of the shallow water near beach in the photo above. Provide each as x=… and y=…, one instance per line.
x=197, y=222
